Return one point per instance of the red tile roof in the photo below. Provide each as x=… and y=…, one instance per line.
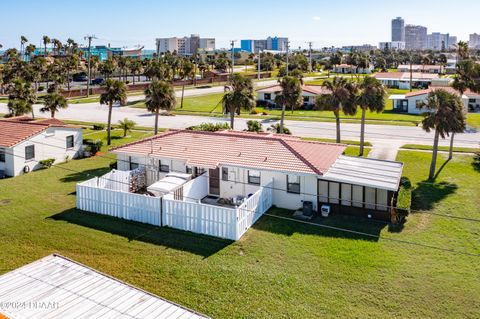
x=449, y=89
x=258, y=151
x=314, y=89
x=17, y=129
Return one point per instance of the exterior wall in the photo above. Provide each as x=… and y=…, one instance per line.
x=48, y=144
x=412, y=104
x=237, y=184
x=309, y=98
x=7, y=166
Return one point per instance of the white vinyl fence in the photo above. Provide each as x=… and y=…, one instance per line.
x=223, y=222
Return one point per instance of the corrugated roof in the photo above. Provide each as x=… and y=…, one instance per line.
x=56, y=287
x=406, y=76
x=259, y=151
x=17, y=129
x=449, y=89
x=366, y=172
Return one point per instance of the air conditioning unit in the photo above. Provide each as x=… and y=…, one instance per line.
x=325, y=210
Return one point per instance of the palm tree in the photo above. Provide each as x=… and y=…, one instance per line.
x=291, y=95
x=135, y=67
x=340, y=99
x=445, y=115
x=186, y=70
x=126, y=125
x=46, y=40
x=241, y=96
x=160, y=95
x=70, y=64
x=53, y=102
x=23, y=40
x=371, y=96
x=116, y=91
x=29, y=50
x=21, y=97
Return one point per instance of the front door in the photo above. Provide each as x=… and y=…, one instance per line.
x=214, y=181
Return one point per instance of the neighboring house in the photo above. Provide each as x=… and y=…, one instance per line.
x=309, y=92
x=434, y=69
x=401, y=80
x=412, y=102
x=25, y=141
x=349, y=69
x=58, y=287
x=238, y=164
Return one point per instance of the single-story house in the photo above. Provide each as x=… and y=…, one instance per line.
x=349, y=69
x=58, y=287
x=401, y=80
x=309, y=92
x=237, y=164
x=411, y=101
x=25, y=141
x=434, y=69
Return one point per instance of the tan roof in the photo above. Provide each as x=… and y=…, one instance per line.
x=405, y=75
x=314, y=89
x=449, y=89
x=17, y=129
x=259, y=151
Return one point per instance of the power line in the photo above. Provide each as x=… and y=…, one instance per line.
x=329, y=198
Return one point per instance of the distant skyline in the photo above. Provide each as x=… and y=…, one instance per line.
x=326, y=23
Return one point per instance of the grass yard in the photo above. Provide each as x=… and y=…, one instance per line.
x=473, y=120
x=440, y=148
x=280, y=268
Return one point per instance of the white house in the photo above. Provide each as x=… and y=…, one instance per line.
x=309, y=92
x=401, y=80
x=25, y=141
x=434, y=69
x=349, y=69
x=412, y=102
x=237, y=164
x=58, y=287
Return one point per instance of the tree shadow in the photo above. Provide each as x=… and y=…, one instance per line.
x=84, y=175
x=440, y=169
x=476, y=162
x=201, y=245
x=428, y=193
x=336, y=225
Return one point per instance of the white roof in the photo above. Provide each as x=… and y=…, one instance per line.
x=366, y=172
x=396, y=97
x=56, y=287
x=169, y=183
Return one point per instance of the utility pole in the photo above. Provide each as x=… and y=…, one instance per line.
x=158, y=49
x=411, y=72
x=288, y=47
x=89, y=37
x=232, y=44
x=310, y=68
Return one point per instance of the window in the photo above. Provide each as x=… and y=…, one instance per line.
x=267, y=96
x=225, y=174
x=29, y=152
x=293, y=184
x=254, y=177
x=132, y=164
x=70, y=141
x=2, y=155
x=472, y=100
x=306, y=99
x=199, y=171
x=188, y=169
x=163, y=167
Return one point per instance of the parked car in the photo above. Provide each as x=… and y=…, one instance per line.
x=98, y=81
x=80, y=77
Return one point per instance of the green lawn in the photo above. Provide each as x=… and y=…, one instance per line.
x=280, y=268
x=473, y=120
x=441, y=148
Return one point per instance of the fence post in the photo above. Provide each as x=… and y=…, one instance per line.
x=161, y=211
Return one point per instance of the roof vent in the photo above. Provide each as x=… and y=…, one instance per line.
x=265, y=159
x=239, y=154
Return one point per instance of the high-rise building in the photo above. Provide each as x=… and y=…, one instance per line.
x=415, y=37
x=438, y=41
x=185, y=46
x=452, y=42
x=270, y=43
x=474, y=41
x=398, y=30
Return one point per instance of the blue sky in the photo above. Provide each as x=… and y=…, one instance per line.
x=326, y=23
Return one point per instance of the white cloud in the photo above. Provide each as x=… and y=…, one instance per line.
x=316, y=18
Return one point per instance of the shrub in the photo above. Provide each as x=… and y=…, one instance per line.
x=254, y=126
x=93, y=146
x=113, y=165
x=254, y=111
x=99, y=127
x=476, y=161
x=264, y=113
x=47, y=163
x=209, y=127
x=275, y=128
